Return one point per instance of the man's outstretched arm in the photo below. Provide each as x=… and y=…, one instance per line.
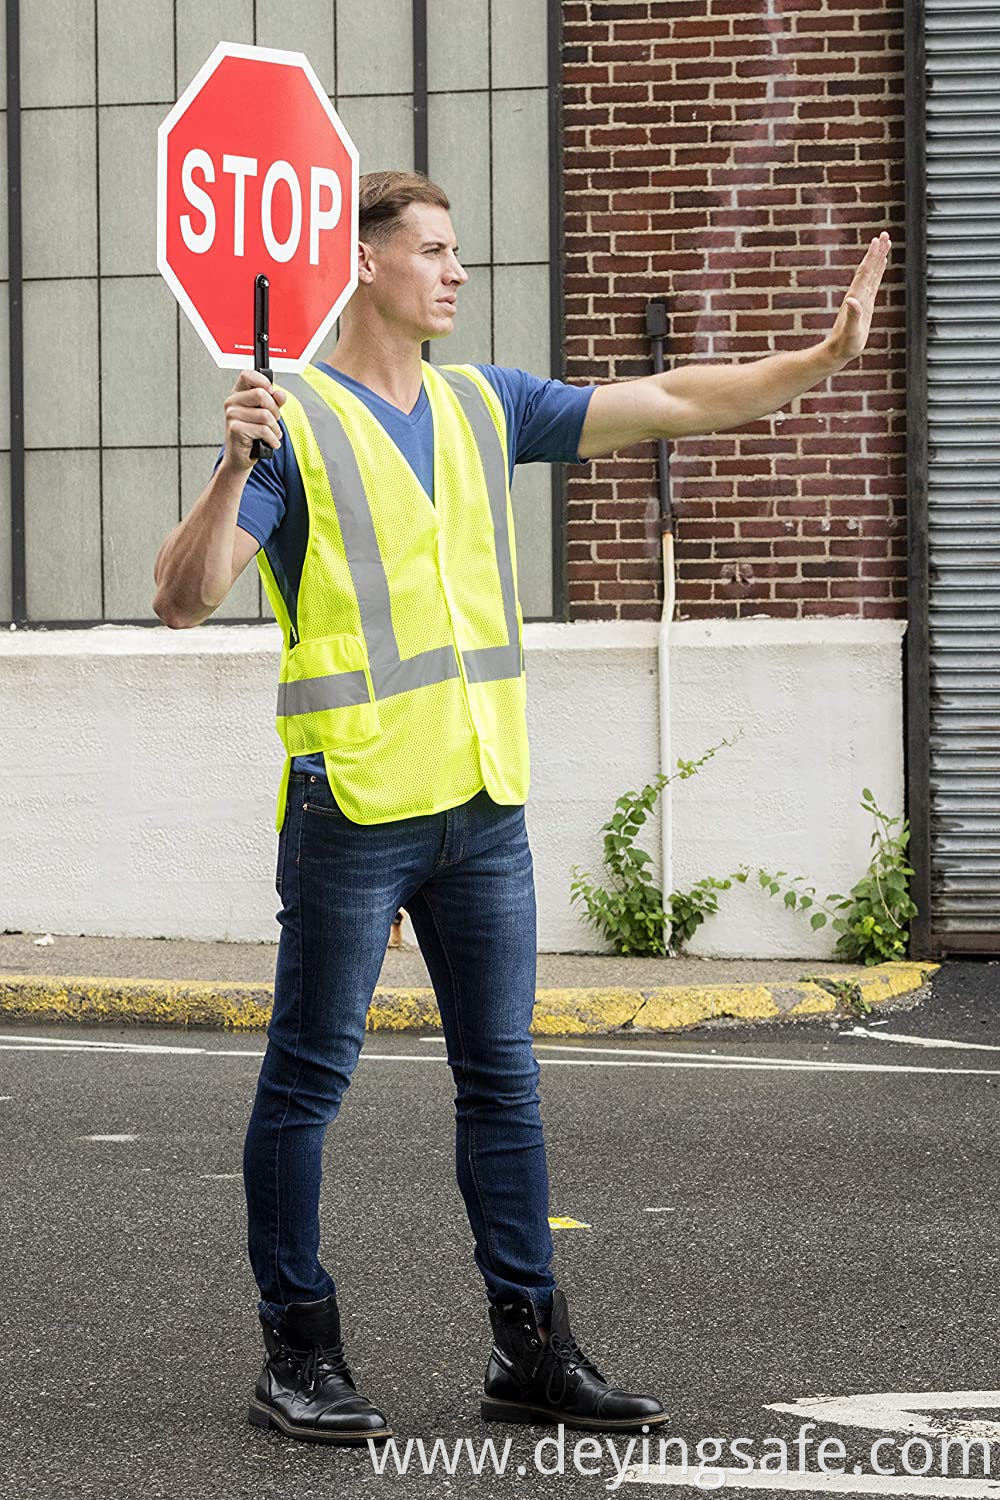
x=694, y=398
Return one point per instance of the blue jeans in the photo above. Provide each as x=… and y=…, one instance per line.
x=465, y=877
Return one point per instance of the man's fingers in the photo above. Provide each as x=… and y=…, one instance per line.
x=851, y=327
x=868, y=276
x=879, y=255
x=251, y=430
x=264, y=423
x=249, y=378
x=241, y=417
x=866, y=270
x=254, y=396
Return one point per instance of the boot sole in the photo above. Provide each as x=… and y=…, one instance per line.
x=259, y=1415
x=513, y=1411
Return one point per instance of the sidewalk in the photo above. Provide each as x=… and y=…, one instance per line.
x=229, y=986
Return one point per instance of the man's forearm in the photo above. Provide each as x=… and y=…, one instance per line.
x=731, y=395
x=194, y=569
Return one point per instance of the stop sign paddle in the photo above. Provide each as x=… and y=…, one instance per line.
x=257, y=204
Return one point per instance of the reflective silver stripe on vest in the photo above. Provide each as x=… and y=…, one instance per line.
x=391, y=673
x=310, y=695
x=490, y=662
x=436, y=665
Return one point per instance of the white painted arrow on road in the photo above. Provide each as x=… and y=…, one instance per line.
x=917, y=1041
x=881, y=1411
x=901, y=1411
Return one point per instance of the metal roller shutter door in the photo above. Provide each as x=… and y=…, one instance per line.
x=962, y=155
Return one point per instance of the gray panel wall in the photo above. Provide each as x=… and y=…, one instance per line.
x=122, y=401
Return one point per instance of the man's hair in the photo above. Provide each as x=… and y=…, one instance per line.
x=384, y=197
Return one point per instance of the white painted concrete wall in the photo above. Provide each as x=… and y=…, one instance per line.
x=139, y=767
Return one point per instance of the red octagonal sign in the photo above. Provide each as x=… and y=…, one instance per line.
x=257, y=174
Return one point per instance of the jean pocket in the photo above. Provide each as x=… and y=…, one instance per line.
x=326, y=698
x=318, y=798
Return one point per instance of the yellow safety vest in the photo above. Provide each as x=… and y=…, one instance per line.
x=404, y=663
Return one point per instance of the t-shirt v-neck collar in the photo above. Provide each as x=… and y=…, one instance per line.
x=420, y=408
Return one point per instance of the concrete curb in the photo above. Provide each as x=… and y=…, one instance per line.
x=228, y=1006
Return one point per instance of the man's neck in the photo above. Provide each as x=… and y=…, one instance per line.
x=389, y=367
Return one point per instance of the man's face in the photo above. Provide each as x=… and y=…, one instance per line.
x=417, y=273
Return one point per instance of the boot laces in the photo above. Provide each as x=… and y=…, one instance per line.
x=322, y=1361
x=567, y=1358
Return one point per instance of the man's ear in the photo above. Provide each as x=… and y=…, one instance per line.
x=366, y=263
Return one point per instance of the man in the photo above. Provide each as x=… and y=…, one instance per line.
x=384, y=535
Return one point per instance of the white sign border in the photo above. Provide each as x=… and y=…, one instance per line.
x=288, y=59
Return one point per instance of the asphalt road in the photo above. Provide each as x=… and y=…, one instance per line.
x=760, y=1232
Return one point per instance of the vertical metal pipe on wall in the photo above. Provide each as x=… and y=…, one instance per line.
x=560, y=589
x=656, y=328
x=418, y=16
x=15, y=303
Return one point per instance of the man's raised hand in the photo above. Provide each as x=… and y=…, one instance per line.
x=849, y=334
x=251, y=412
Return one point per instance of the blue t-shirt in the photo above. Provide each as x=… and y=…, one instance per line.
x=544, y=422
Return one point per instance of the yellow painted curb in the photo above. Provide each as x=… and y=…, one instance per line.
x=582, y=1011
x=142, y=1002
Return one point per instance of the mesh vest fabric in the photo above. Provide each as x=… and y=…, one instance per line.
x=404, y=662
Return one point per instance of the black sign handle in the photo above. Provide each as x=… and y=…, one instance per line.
x=261, y=355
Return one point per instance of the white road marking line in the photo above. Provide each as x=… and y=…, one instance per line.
x=75, y=1049
x=69, y=1044
x=731, y=1065
x=229, y=1052
x=714, y=1057
x=919, y=1041
x=900, y=1411
x=91, y=1043
x=58, y=1044
x=614, y=1058
x=108, y=1137
x=914, y=1485
x=661, y=1210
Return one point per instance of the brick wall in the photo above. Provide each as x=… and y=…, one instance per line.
x=737, y=158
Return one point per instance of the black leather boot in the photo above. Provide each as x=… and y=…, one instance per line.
x=305, y=1388
x=531, y=1381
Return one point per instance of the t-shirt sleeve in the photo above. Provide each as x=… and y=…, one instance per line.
x=544, y=417
x=264, y=499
